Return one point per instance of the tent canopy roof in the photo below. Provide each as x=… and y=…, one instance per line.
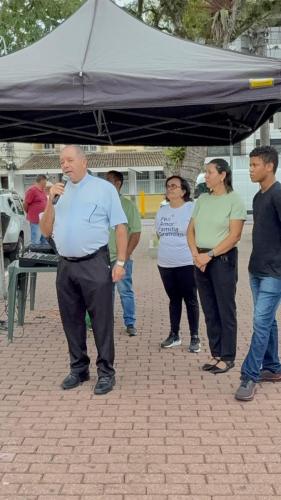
x=104, y=77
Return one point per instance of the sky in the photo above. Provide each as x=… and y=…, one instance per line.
x=122, y=2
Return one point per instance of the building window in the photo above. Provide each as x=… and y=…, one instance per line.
x=5, y=182
x=160, y=179
x=218, y=151
x=125, y=186
x=49, y=146
x=143, y=182
x=88, y=148
x=274, y=42
x=28, y=180
x=276, y=143
x=159, y=174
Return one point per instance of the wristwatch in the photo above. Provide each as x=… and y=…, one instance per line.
x=211, y=253
x=120, y=263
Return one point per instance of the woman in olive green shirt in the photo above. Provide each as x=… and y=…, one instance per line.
x=214, y=230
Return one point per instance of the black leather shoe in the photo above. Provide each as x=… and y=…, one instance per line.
x=210, y=366
x=225, y=366
x=74, y=379
x=104, y=384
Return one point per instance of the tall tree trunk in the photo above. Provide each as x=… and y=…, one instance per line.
x=190, y=167
x=261, y=50
x=257, y=44
x=193, y=164
x=171, y=168
x=140, y=8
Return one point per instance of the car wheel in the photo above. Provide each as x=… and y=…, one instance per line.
x=19, y=250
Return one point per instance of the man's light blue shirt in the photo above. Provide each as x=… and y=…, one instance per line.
x=84, y=214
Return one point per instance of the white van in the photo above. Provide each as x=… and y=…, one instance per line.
x=15, y=227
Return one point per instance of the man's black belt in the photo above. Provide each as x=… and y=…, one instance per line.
x=85, y=257
x=203, y=250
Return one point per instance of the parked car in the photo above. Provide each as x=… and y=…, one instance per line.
x=200, y=186
x=15, y=227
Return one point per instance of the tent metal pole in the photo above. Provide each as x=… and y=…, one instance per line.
x=3, y=291
x=231, y=156
x=230, y=147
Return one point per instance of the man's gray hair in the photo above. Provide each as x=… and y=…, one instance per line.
x=80, y=152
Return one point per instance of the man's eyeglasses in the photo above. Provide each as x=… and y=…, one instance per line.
x=173, y=186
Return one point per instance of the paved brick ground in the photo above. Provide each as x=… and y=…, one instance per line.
x=167, y=432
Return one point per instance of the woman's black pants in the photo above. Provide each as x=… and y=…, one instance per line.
x=180, y=284
x=217, y=289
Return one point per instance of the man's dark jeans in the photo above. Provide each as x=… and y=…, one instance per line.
x=263, y=352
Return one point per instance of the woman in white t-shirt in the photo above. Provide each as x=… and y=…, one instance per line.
x=175, y=261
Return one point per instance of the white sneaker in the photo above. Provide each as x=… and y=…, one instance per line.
x=172, y=341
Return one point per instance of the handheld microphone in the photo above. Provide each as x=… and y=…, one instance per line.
x=64, y=180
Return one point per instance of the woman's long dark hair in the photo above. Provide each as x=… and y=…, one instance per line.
x=184, y=186
x=222, y=166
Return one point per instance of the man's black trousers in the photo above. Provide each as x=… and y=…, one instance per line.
x=87, y=286
x=217, y=289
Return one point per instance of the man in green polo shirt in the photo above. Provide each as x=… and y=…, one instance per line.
x=125, y=286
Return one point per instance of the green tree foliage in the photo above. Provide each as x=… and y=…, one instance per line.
x=216, y=22
x=175, y=157
x=23, y=22
x=162, y=14
x=230, y=18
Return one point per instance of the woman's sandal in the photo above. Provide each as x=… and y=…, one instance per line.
x=222, y=367
x=209, y=366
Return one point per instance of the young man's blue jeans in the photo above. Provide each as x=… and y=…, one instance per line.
x=37, y=237
x=126, y=292
x=263, y=352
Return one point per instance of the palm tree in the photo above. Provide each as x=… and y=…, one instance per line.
x=224, y=15
x=232, y=18
x=215, y=22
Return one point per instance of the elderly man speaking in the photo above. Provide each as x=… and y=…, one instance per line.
x=80, y=221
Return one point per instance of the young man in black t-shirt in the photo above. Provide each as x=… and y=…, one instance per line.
x=262, y=362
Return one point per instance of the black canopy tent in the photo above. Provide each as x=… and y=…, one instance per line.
x=104, y=77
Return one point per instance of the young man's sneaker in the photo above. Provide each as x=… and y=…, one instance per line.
x=194, y=345
x=246, y=390
x=172, y=341
x=131, y=331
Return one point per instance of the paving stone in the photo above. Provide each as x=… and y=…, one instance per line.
x=168, y=431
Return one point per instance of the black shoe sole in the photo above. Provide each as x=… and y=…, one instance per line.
x=207, y=367
x=105, y=391
x=171, y=345
x=249, y=398
x=217, y=371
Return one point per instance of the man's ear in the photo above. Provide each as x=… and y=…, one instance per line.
x=270, y=166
